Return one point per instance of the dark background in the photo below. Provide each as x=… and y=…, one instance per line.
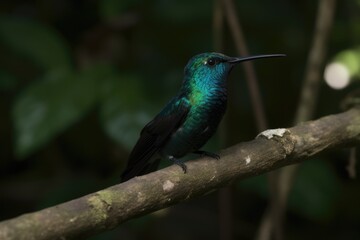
x=79, y=79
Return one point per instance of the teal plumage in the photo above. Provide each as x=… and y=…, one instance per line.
x=204, y=93
x=190, y=119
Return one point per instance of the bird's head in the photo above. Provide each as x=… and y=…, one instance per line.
x=207, y=68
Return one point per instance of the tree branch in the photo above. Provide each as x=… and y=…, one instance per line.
x=106, y=209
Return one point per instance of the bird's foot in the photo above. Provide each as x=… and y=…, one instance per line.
x=179, y=163
x=207, y=154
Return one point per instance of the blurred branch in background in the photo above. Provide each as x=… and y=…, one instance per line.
x=108, y=208
x=227, y=8
x=306, y=108
x=225, y=194
x=241, y=47
x=257, y=107
x=316, y=60
x=351, y=167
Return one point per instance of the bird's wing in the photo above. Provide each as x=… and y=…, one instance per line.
x=153, y=136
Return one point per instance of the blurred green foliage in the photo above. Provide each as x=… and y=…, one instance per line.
x=36, y=41
x=122, y=112
x=79, y=79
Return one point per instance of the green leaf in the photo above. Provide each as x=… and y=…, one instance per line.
x=36, y=41
x=124, y=111
x=315, y=191
x=49, y=106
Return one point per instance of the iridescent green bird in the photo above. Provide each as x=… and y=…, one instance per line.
x=190, y=119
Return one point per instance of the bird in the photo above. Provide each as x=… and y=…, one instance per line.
x=190, y=118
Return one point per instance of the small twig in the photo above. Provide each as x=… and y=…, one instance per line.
x=266, y=226
x=226, y=223
x=240, y=44
x=351, y=167
x=312, y=79
x=225, y=195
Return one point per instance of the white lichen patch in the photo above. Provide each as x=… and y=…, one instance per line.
x=247, y=160
x=168, y=186
x=270, y=133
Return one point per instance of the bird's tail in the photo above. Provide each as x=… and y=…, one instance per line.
x=139, y=170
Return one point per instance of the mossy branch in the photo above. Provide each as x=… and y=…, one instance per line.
x=108, y=208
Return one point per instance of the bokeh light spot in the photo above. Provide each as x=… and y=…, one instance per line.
x=337, y=76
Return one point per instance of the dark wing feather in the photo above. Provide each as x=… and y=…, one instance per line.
x=153, y=136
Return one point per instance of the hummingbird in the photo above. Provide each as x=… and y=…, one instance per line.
x=189, y=119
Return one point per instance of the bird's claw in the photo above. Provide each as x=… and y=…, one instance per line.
x=179, y=163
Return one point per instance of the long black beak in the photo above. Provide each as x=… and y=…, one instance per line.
x=243, y=59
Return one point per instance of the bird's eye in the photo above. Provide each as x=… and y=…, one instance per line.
x=211, y=62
